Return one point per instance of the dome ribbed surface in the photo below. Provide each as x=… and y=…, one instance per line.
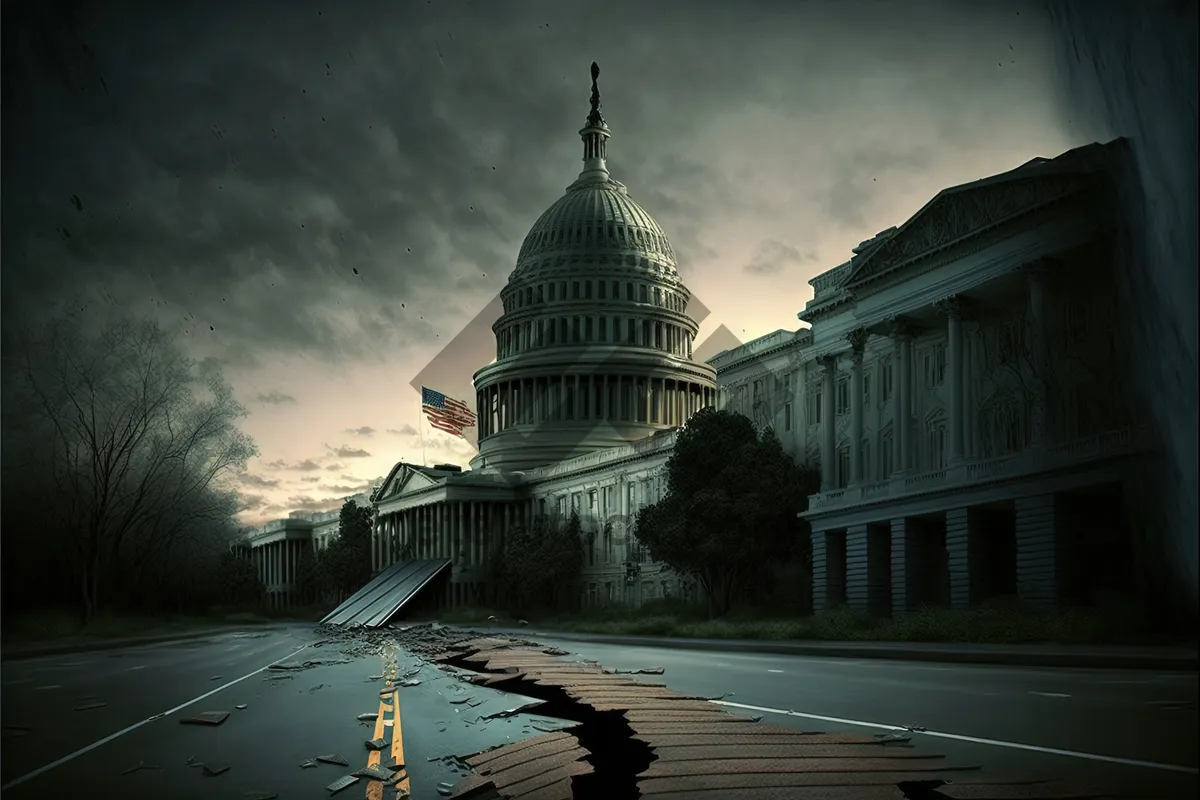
x=596, y=222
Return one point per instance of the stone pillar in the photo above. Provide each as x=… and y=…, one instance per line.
x=902, y=426
x=954, y=377
x=828, y=427
x=647, y=394
x=903, y=550
x=867, y=564
x=1038, y=551
x=858, y=343
x=1039, y=357
x=960, y=535
x=820, y=572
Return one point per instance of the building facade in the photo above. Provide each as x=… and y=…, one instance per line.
x=957, y=388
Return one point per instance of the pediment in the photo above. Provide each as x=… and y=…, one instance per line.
x=403, y=479
x=961, y=212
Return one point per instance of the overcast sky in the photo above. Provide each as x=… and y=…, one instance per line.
x=322, y=196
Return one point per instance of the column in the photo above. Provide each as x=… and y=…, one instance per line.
x=857, y=592
x=604, y=410
x=858, y=343
x=959, y=540
x=1035, y=275
x=903, y=551
x=647, y=394
x=1038, y=550
x=828, y=432
x=577, y=410
x=902, y=426
x=954, y=377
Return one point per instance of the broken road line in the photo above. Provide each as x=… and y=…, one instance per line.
x=402, y=787
x=375, y=788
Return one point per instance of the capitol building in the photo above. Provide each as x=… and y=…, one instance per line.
x=955, y=385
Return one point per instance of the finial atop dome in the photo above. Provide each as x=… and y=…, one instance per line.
x=595, y=136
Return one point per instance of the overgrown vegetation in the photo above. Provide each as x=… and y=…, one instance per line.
x=537, y=568
x=119, y=460
x=731, y=505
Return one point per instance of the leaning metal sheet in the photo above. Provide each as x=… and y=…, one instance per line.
x=378, y=601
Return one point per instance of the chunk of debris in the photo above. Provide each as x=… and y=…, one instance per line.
x=213, y=770
x=309, y=763
x=445, y=789
x=370, y=716
x=522, y=622
x=207, y=718
x=554, y=651
x=194, y=762
x=374, y=677
x=459, y=701
x=216, y=677
x=344, y=782
x=374, y=773
x=914, y=728
x=642, y=671
x=241, y=706
x=138, y=767
x=410, y=682
x=376, y=744
x=885, y=738
x=260, y=795
x=333, y=758
x=316, y=688
x=90, y=706
x=514, y=711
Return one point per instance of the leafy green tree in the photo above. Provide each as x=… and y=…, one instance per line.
x=307, y=577
x=731, y=506
x=538, y=567
x=345, y=565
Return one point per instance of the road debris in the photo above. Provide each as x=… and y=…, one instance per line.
x=375, y=774
x=194, y=762
x=241, y=706
x=887, y=738
x=410, y=682
x=374, y=677
x=642, y=671
x=376, y=744
x=370, y=716
x=344, y=782
x=213, y=770
x=141, y=765
x=316, y=688
x=914, y=728
x=333, y=758
x=311, y=763
x=216, y=677
x=459, y=700
x=207, y=718
x=445, y=789
x=90, y=706
x=511, y=712
x=260, y=795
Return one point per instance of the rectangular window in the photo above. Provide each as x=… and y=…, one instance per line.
x=787, y=416
x=629, y=291
x=642, y=292
x=587, y=290
x=934, y=362
x=589, y=333
x=814, y=408
x=575, y=289
x=601, y=287
x=843, y=467
x=843, y=397
x=550, y=290
x=885, y=456
x=886, y=377
x=562, y=505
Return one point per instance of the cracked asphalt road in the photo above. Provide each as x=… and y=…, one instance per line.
x=295, y=715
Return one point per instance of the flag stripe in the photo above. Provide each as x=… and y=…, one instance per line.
x=454, y=418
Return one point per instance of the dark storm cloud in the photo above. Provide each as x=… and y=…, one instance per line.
x=348, y=452
x=249, y=479
x=339, y=179
x=773, y=256
x=275, y=399
x=363, y=431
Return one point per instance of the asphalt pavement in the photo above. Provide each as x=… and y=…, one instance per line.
x=1135, y=730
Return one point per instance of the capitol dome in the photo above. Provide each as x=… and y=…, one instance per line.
x=594, y=348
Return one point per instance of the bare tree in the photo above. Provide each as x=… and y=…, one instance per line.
x=134, y=437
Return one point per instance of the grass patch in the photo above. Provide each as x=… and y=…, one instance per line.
x=1000, y=623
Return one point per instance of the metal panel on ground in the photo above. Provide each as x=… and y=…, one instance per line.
x=386, y=593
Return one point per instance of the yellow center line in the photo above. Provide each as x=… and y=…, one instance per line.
x=375, y=788
x=402, y=787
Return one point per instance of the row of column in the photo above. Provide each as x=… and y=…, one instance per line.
x=465, y=532
x=278, y=563
x=902, y=334
x=589, y=329
x=895, y=566
x=616, y=398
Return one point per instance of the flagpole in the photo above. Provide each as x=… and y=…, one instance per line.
x=421, y=428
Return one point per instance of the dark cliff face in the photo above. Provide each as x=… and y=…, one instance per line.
x=1129, y=69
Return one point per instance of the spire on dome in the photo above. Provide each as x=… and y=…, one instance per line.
x=595, y=136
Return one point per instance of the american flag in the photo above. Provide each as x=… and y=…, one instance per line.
x=446, y=413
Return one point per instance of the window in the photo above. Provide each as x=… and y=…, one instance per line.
x=628, y=291
x=592, y=502
x=934, y=361
x=642, y=293
x=886, y=455
x=542, y=507
x=843, y=397
x=935, y=442
x=606, y=507
x=866, y=391
x=587, y=290
x=843, y=467
x=787, y=416
x=562, y=505
x=601, y=286
x=814, y=407
x=631, y=501
x=886, y=378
